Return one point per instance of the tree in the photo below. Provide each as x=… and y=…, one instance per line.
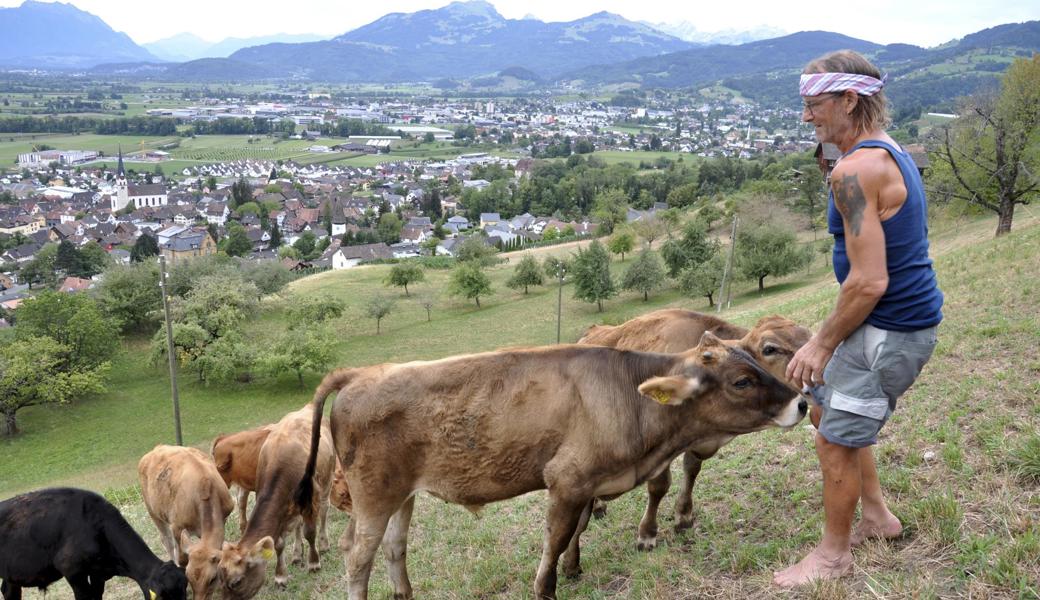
x=93, y=259
x=68, y=259
x=555, y=267
x=469, y=281
x=810, y=197
x=430, y=245
x=527, y=273
x=991, y=150
x=645, y=275
x=299, y=350
x=610, y=208
x=305, y=244
x=35, y=370
x=690, y=250
x=312, y=310
x=405, y=273
x=684, y=195
x=378, y=307
x=621, y=243
x=217, y=303
x=474, y=249
x=130, y=295
x=276, y=235
x=237, y=242
x=268, y=276
x=227, y=359
x=592, y=279
x=73, y=320
x=765, y=251
x=649, y=228
x=240, y=193
x=703, y=279
x=427, y=301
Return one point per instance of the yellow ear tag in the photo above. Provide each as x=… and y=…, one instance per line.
x=153, y=594
x=660, y=396
x=266, y=553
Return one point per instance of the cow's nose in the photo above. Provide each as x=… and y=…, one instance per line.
x=803, y=407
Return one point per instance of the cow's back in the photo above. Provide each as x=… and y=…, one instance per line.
x=176, y=481
x=669, y=330
x=236, y=456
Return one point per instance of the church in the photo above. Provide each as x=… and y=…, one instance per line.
x=139, y=195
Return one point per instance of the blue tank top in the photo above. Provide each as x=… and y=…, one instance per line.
x=913, y=299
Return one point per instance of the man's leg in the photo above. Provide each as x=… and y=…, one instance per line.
x=832, y=558
x=875, y=520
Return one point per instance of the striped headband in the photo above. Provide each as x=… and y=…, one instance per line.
x=815, y=84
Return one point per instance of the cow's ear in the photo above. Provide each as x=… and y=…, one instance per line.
x=263, y=550
x=672, y=391
x=709, y=340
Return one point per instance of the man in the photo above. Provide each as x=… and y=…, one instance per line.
x=882, y=329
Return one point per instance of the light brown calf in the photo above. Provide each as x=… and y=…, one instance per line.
x=282, y=460
x=185, y=496
x=236, y=456
x=772, y=342
x=580, y=421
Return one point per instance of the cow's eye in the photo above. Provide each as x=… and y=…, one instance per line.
x=742, y=383
x=769, y=350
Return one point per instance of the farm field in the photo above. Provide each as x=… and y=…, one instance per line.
x=109, y=144
x=960, y=460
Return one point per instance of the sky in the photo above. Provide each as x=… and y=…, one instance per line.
x=921, y=22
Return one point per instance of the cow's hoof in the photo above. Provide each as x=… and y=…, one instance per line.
x=314, y=567
x=281, y=580
x=298, y=560
x=599, y=510
x=572, y=571
x=646, y=544
x=403, y=596
x=684, y=522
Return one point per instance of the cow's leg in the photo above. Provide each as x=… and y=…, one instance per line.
x=165, y=536
x=310, y=532
x=346, y=541
x=281, y=575
x=323, y=529
x=684, y=503
x=81, y=587
x=572, y=556
x=562, y=521
x=243, y=505
x=599, y=508
x=10, y=591
x=179, y=538
x=369, y=526
x=298, y=547
x=656, y=488
x=395, y=550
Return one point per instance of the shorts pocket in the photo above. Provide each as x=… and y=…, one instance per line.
x=900, y=364
x=874, y=408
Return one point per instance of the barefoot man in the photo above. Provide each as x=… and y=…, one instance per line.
x=882, y=329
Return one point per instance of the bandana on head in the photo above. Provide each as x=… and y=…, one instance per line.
x=815, y=84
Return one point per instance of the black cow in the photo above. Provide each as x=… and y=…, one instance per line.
x=78, y=535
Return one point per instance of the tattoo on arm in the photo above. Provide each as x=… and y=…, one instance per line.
x=850, y=201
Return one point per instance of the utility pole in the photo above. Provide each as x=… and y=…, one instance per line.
x=559, y=302
x=169, y=349
x=729, y=269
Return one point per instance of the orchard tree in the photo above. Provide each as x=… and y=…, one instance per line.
x=766, y=251
x=130, y=295
x=378, y=307
x=704, y=279
x=610, y=208
x=990, y=152
x=405, y=273
x=237, y=242
x=470, y=282
x=269, y=276
x=527, y=273
x=649, y=228
x=73, y=320
x=621, y=243
x=644, y=275
x=592, y=279
x=689, y=250
x=299, y=350
x=312, y=310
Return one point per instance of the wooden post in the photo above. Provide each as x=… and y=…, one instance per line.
x=170, y=350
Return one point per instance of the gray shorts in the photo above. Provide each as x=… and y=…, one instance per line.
x=868, y=372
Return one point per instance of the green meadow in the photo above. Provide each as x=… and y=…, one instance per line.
x=960, y=460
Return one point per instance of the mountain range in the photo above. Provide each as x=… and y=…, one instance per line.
x=184, y=47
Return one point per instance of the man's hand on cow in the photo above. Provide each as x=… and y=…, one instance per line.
x=807, y=365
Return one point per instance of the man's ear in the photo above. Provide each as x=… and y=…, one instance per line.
x=672, y=391
x=262, y=551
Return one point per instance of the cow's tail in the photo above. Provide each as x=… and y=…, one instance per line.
x=333, y=382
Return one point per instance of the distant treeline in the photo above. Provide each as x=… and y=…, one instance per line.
x=128, y=126
x=241, y=126
x=349, y=127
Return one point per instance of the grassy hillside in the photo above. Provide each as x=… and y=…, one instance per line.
x=960, y=460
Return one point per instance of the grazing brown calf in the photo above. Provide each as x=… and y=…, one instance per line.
x=281, y=464
x=185, y=496
x=580, y=421
x=236, y=456
x=772, y=342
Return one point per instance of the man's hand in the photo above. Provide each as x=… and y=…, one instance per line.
x=807, y=365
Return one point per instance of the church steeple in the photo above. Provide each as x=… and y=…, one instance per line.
x=120, y=172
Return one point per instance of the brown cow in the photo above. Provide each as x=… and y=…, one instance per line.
x=185, y=496
x=236, y=456
x=576, y=420
x=283, y=458
x=772, y=342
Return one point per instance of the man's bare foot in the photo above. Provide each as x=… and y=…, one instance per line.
x=887, y=528
x=815, y=565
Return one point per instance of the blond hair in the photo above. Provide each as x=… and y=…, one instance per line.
x=871, y=112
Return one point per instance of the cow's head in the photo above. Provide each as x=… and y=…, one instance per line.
x=244, y=569
x=340, y=495
x=166, y=582
x=203, y=570
x=727, y=390
x=773, y=342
